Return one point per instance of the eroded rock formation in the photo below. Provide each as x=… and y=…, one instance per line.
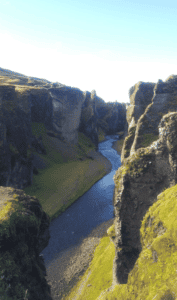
x=148, y=103
x=24, y=233
x=145, y=173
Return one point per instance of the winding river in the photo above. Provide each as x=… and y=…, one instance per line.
x=90, y=210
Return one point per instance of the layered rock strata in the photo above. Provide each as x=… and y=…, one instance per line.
x=24, y=233
x=143, y=175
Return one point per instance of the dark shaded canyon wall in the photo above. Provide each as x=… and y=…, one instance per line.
x=146, y=171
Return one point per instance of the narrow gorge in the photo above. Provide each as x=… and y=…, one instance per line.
x=79, y=221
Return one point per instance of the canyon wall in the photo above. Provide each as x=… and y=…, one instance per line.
x=63, y=110
x=149, y=163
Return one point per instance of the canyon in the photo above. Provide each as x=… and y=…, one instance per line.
x=138, y=257
x=45, y=128
x=42, y=133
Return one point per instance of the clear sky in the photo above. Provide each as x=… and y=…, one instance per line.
x=107, y=46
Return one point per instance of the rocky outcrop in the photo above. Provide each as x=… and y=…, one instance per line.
x=148, y=103
x=141, y=95
x=143, y=175
x=67, y=103
x=164, y=101
x=56, y=105
x=59, y=109
x=24, y=233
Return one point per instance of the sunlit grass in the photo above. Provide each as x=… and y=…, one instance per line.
x=98, y=275
x=154, y=275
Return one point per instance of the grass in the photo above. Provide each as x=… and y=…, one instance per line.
x=154, y=275
x=61, y=183
x=98, y=275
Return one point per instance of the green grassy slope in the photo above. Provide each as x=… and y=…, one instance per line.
x=61, y=183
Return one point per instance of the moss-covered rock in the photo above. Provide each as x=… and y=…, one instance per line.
x=138, y=181
x=24, y=233
x=154, y=273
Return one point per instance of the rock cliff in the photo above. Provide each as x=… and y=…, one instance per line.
x=141, y=95
x=148, y=168
x=63, y=110
x=24, y=233
x=148, y=103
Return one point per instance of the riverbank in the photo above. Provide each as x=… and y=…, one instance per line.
x=66, y=172
x=72, y=263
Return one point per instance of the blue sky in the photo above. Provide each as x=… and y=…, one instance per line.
x=107, y=46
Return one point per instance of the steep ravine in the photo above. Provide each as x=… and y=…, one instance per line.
x=76, y=232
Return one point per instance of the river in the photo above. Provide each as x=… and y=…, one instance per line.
x=90, y=210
